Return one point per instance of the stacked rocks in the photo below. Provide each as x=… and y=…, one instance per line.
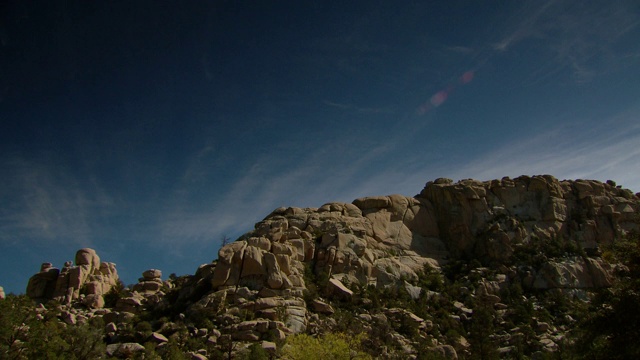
x=150, y=282
x=87, y=281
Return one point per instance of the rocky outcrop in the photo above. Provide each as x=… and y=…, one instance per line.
x=489, y=219
x=380, y=240
x=87, y=281
x=574, y=273
x=545, y=234
x=150, y=283
x=148, y=292
x=2, y=295
x=292, y=272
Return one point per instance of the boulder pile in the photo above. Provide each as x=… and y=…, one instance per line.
x=87, y=281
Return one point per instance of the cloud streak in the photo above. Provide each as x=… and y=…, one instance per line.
x=608, y=151
x=52, y=205
x=327, y=173
x=574, y=149
x=358, y=109
x=578, y=36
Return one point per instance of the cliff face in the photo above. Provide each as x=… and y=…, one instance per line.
x=489, y=219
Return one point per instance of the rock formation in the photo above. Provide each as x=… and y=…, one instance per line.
x=388, y=240
x=380, y=240
x=149, y=291
x=2, y=295
x=88, y=280
x=287, y=274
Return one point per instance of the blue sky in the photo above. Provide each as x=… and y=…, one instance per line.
x=150, y=130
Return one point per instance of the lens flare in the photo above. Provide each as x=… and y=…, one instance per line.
x=467, y=77
x=441, y=96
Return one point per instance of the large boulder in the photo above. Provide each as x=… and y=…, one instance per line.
x=88, y=257
x=574, y=273
x=41, y=286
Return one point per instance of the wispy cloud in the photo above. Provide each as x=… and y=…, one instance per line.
x=577, y=36
x=359, y=109
x=573, y=149
x=330, y=173
x=524, y=24
x=460, y=49
x=41, y=201
x=608, y=151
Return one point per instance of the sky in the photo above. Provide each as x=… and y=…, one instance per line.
x=151, y=130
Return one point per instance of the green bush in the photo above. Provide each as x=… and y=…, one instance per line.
x=24, y=335
x=334, y=346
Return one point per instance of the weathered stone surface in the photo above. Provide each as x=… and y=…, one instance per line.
x=198, y=356
x=296, y=318
x=124, y=350
x=322, y=307
x=42, y=285
x=246, y=335
x=372, y=202
x=274, y=279
x=269, y=347
x=413, y=291
x=573, y=273
x=131, y=303
x=253, y=262
x=68, y=317
x=260, y=242
x=336, y=288
x=89, y=257
x=158, y=338
x=444, y=352
x=152, y=274
x=148, y=286
x=2, y=295
x=93, y=301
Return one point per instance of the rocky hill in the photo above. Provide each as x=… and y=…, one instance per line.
x=460, y=270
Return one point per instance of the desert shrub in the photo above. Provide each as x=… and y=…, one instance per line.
x=255, y=352
x=114, y=294
x=335, y=346
x=24, y=335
